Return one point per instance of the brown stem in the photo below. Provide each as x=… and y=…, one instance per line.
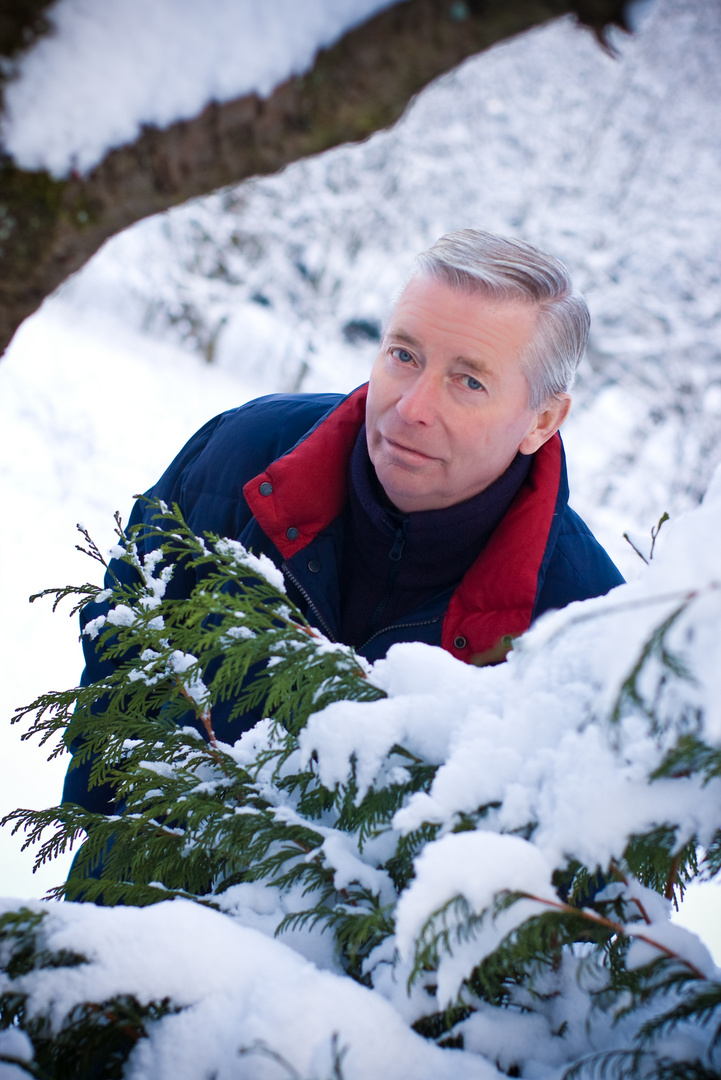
x=622, y=877
x=672, y=878
x=204, y=717
x=208, y=725
x=618, y=928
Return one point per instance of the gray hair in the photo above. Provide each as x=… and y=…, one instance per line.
x=510, y=270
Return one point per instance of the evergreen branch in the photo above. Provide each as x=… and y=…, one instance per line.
x=35, y=822
x=621, y=929
x=618, y=1064
x=701, y=1006
x=655, y=645
x=637, y=1063
x=356, y=916
x=193, y=821
x=378, y=806
x=620, y=876
x=86, y=592
x=689, y=755
x=656, y=862
x=400, y=865
x=712, y=858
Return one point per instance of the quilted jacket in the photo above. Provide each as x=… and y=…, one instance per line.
x=274, y=473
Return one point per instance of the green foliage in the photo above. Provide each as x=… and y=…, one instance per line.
x=194, y=819
x=200, y=817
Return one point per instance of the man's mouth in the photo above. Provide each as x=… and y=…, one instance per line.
x=409, y=453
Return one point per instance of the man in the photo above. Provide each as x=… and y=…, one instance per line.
x=431, y=504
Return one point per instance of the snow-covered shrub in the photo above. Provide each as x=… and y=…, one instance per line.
x=483, y=857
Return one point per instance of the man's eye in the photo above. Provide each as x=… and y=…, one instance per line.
x=472, y=384
x=403, y=355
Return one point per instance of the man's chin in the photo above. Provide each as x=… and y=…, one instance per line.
x=405, y=494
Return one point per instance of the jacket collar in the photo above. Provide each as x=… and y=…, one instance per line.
x=302, y=492
x=497, y=596
x=307, y=488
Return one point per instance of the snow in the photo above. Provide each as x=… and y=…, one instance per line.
x=476, y=865
x=612, y=165
x=121, y=615
x=107, y=70
x=669, y=936
x=14, y=1044
x=259, y=564
x=531, y=748
x=239, y=988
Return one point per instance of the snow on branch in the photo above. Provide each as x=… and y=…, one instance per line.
x=491, y=853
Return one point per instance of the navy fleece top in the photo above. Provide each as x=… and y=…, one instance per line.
x=394, y=562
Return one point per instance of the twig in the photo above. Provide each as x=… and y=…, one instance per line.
x=618, y=928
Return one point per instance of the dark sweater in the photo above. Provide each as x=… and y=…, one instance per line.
x=394, y=562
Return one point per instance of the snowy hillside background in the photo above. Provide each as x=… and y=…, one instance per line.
x=611, y=164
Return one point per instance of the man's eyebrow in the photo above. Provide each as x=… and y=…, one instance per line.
x=397, y=333
x=479, y=366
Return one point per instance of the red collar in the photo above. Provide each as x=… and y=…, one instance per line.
x=309, y=484
x=497, y=596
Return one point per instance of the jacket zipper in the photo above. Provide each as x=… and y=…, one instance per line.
x=399, y=541
x=397, y=626
x=324, y=626
x=319, y=618
x=394, y=555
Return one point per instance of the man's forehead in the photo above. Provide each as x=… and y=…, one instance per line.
x=474, y=325
x=478, y=297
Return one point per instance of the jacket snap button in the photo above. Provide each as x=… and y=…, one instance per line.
x=266, y=488
x=292, y=533
x=314, y=566
x=460, y=642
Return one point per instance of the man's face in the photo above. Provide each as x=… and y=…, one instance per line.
x=448, y=402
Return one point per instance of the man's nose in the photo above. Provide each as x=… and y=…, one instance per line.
x=419, y=401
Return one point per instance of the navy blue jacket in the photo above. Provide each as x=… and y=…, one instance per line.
x=274, y=475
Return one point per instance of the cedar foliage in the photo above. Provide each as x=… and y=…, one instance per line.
x=199, y=817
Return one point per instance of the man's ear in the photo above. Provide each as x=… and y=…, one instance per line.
x=548, y=421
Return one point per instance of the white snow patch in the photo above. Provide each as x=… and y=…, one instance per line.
x=109, y=69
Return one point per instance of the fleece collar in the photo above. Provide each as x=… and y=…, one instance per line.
x=301, y=493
